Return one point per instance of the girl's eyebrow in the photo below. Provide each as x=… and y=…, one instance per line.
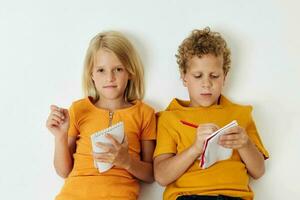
x=102, y=66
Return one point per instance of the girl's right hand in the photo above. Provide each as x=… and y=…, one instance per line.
x=203, y=131
x=58, y=121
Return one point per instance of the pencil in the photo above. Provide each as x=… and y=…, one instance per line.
x=189, y=124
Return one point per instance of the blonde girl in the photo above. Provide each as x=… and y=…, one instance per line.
x=113, y=85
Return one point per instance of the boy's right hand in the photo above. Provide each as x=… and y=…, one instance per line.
x=203, y=131
x=58, y=121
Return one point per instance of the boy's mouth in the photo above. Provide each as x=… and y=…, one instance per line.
x=206, y=94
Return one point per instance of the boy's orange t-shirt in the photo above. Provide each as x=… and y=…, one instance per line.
x=85, y=181
x=228, y=177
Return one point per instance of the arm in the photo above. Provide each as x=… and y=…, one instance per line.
x=237, y=138
x=253, y=160
x=58, y=124
x=143, y=169
x=169, y=167
x=63, y=159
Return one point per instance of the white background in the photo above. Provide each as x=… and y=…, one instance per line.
x=42, y=47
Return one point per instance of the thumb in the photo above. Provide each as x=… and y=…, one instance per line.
x=66, y=113
x=125, y=140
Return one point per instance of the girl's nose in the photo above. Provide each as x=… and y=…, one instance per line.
x=111, y=76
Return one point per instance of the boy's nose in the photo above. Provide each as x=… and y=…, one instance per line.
x=206, y=83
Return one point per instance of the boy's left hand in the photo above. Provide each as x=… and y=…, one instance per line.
x=235, y=138
x=115, y=153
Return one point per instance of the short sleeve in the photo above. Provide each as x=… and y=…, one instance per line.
x=165, y=143
x=254, y=136
x=73, y=129
x=149, y=125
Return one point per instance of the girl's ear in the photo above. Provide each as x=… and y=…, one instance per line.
x=183, y=78
x=129, y=76
x=92, y=77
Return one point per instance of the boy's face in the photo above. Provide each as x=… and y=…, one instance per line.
x=204, y=79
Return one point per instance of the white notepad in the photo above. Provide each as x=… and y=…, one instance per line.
x=212, y=151
x=117, y=131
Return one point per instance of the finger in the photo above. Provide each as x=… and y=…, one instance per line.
x=58, y=114
x=208, y=128
x=66, y=113
x=212, y=125
x=56, y=118
x=227, y=146
x=104, y=146
x=54, y=108
x=235, y=129
x=125, y=140
x=236, y=146
x=104, y=160
x=102, y=155
x=52, y=123
x=113, y=140
x=230, y=143
x=229, y=137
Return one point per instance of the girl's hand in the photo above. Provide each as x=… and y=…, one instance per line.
x=58, y=121
x=114, y=153
x=203, y=131
x=235, y=138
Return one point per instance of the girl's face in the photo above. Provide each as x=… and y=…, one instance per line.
x=109, y=75
x=204, y=80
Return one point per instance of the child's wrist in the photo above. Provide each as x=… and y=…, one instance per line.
x=194, y=151
x=128, y=163
x=61, y=138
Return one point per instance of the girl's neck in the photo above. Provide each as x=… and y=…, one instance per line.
x=112, y=105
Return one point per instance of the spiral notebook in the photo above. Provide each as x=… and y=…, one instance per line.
x=117, y=131
x=212, y=151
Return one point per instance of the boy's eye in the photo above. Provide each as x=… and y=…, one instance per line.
x=214, y=76
x=198, y=76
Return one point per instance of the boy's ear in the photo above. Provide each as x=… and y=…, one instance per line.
x=183, y=78
x=224, y=79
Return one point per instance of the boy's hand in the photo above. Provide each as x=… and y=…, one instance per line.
x=58, y=121
x=235, y=138
x=203, y=131
x=114, y=153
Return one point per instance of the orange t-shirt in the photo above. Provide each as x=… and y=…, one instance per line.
x=84, y=181
x=227, y=177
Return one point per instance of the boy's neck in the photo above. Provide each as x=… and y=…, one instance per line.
x=218, y=102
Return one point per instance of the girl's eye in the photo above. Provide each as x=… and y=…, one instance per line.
x=119, y=69
x=197, y=76
x=100, y=70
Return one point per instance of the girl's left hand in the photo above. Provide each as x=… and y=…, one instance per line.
x=235, y=138
x=115, y=153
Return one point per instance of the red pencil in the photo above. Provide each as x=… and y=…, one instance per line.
x=189, y=124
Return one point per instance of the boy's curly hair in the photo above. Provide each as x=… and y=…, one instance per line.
x=203, y=42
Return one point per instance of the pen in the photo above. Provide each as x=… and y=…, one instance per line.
x=189, y=124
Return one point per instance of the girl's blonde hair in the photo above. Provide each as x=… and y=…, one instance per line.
x=124, y=50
